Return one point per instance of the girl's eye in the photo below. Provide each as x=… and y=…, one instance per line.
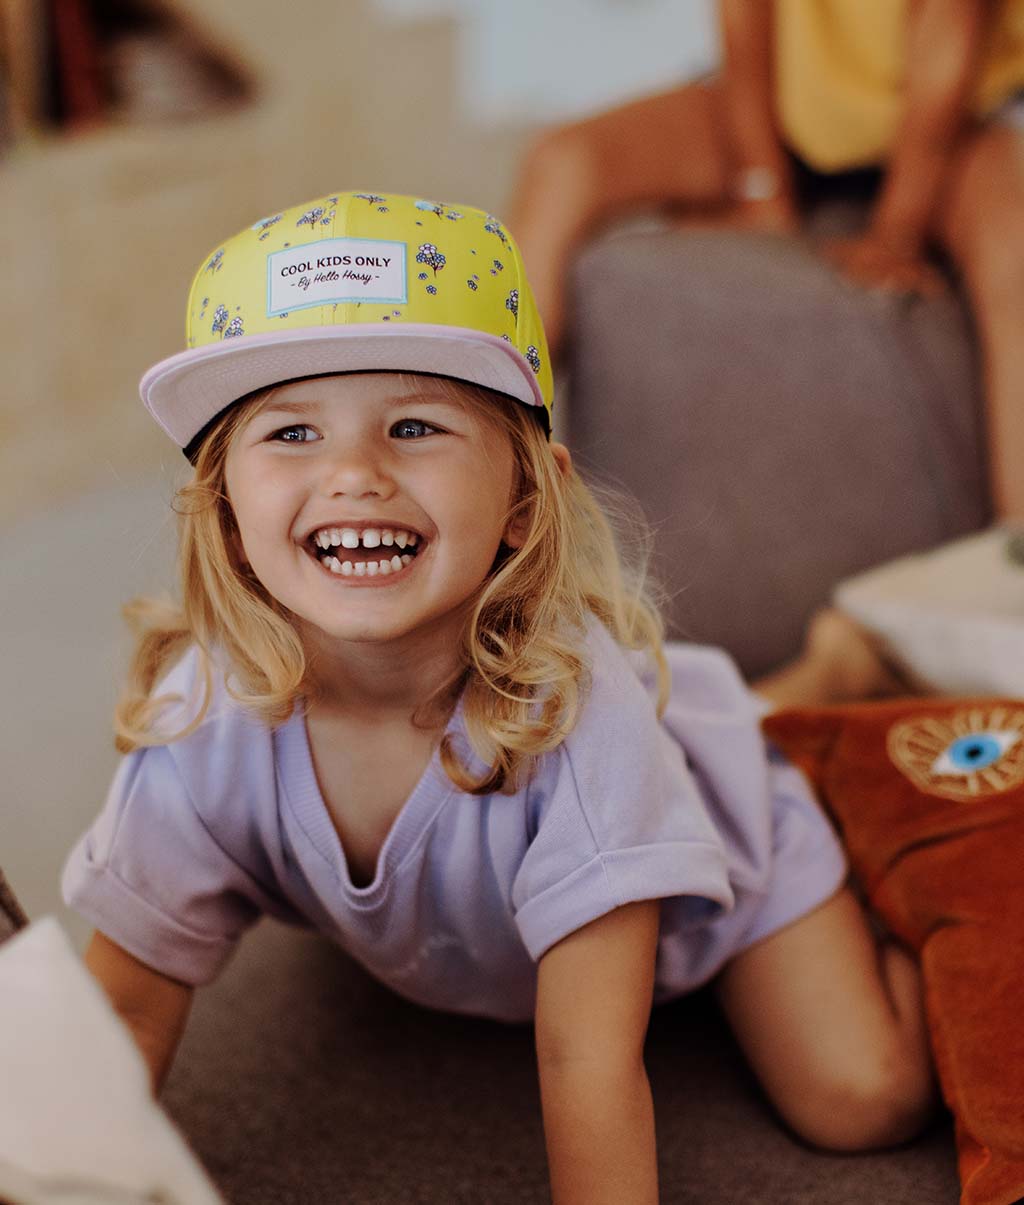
x=411, y=428
x=298, y=434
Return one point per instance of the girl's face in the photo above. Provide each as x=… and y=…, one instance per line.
x=414, y=484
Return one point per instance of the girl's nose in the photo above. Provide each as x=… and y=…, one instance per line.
x=356, y=471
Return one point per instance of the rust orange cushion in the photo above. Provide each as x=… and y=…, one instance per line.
x=928, y=796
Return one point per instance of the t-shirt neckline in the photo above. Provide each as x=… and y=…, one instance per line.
x=302, y=792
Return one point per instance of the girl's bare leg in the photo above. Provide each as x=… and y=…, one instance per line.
x=839, y=663
x=664, y=150
x=833, y=1026
x=832, y=1023
x=981, y=224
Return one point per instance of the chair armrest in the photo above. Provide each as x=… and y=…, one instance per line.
x=780, y=428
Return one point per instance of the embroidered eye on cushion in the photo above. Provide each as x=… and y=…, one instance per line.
x=928, y=796
x=970, y=754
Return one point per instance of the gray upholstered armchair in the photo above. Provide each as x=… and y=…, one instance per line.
x=781, y=428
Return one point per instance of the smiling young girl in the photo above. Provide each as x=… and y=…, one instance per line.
x=415, y=697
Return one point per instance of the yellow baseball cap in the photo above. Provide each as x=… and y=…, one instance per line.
x=354, y=282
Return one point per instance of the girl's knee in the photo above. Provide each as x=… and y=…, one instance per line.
x=866, y=1108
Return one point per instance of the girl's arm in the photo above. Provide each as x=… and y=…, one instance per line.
x=943, y=44
x=154, y=1007
x=594, y=995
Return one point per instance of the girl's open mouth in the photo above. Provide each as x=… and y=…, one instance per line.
x=364, y=552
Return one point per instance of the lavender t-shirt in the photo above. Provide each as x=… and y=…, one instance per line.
x=202, y=835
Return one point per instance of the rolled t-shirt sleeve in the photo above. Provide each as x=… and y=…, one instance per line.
x=150, y=875
x=617, y=816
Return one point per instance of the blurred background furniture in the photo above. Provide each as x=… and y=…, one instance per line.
x=782, y=429
x=103, y=222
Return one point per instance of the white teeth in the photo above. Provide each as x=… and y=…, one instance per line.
x=370, y=537
x=367, y=568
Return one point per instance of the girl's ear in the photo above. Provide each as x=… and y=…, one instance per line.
x=563, y=458
x=515, y=534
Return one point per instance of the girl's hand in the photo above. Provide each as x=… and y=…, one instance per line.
x=873, y=263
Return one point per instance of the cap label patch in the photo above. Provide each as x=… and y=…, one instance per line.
x=335, y=270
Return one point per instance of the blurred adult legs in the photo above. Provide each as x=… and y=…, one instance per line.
x=666, y=150
x=672, y=151
x=981, y=224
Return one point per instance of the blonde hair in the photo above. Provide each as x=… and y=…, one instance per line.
x=524, y=670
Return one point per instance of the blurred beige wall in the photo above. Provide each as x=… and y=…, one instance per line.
x=101, y=233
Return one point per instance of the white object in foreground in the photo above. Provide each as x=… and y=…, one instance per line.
x=77, y=1121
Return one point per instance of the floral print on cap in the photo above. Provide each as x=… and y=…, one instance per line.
x=369, y=257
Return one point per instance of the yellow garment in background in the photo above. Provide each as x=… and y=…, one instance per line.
x=839, y=68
